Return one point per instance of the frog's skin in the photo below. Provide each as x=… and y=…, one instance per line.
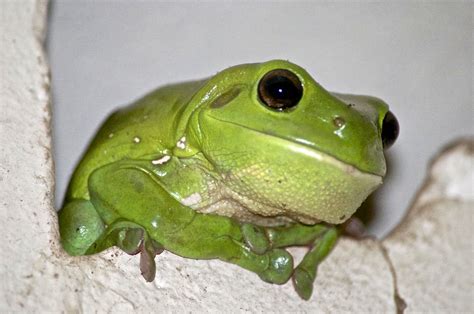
x=207, y=169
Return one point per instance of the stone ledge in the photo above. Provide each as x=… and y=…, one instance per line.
x=431, y=250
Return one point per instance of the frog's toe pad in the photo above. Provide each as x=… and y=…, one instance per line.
x=303, y=283
x=279, y=268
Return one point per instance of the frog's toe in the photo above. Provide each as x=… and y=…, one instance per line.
x=280, y=267
x=132, y=239
x=255, y=238
x=148, y=250
x=303, y=282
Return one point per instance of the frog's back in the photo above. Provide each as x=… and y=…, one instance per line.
x=145, y=128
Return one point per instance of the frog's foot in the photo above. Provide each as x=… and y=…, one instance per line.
x=132, y=239
x=320, y=237
x=261, y=240
x=305, y=273
x=279, y=261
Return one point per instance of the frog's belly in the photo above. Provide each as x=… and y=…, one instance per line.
x=233, y=209
x=318, y=191
x=218, y=199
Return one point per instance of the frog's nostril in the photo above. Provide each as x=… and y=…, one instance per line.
x=339, y=122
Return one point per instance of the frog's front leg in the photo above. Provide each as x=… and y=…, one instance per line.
x=129, y=192
x=305, y=273
x=320, y=238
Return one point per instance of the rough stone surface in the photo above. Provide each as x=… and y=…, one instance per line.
x=431, y=250
x=431, y=247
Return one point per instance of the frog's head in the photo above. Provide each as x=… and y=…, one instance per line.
x=286, y=146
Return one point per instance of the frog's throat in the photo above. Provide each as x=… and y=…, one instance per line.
x=304, y=149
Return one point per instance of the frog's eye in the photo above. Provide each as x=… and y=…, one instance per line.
x=280, y=89
x=390, y=130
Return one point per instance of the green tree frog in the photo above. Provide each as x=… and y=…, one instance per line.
x=236, y=167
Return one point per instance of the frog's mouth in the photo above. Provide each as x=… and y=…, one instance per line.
x=300, y=146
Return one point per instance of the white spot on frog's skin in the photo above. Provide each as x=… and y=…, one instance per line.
x=192, y=199
x=154, y=224
x=340, y=124
x=339, y=131
x=181, y=143
x=136, y=139
x=162, y=160
x=111, y=135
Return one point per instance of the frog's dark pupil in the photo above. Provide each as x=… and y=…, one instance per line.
x=390, y=130
x=280, y=89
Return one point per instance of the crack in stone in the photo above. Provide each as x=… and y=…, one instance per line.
x=120, y=295
x=400, y=302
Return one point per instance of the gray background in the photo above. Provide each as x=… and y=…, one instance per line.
x=416, y=56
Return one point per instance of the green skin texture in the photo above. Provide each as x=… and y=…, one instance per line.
x=216, y=139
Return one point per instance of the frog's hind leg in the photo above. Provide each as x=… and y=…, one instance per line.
x=143, y=203
x=320, y=238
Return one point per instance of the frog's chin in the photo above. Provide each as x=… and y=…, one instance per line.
x=366, y=182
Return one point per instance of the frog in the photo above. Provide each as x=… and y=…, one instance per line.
x=237, y=167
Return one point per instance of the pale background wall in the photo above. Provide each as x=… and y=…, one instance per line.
x=416, y=56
